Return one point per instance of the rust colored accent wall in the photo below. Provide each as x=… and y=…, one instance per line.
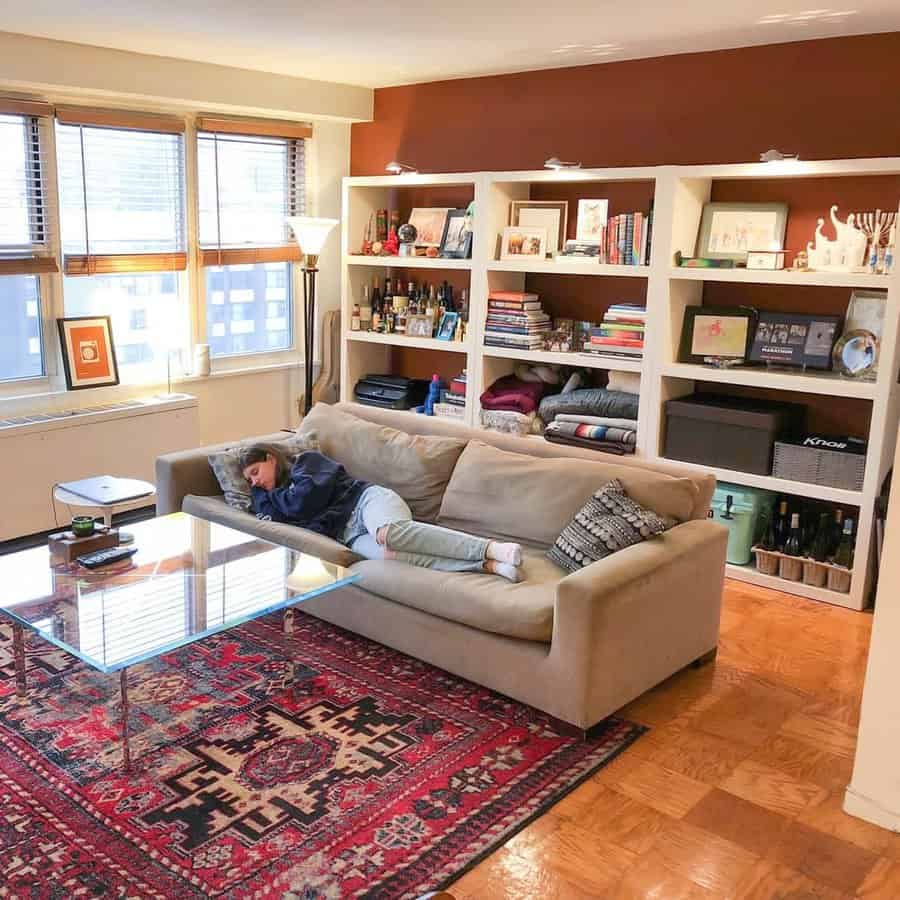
x=825, y=99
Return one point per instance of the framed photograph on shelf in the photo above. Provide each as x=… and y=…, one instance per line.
x=792, y=339
x=447, y=328
x=732, y=230
x=866, y=311
x=716, y=335
x=418, y=326
x=592, y=218
x=523, y=243
x=552, y=215
x=456, y=241
x=429, y=223
x=88, y=352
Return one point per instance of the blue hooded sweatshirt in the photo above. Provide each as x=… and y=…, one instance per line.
x=320, y=496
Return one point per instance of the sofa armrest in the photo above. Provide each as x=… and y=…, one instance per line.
x=188, y=472
x=624, y=623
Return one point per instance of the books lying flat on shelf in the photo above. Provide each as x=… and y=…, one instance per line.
x=516, y=320
x=449, y=411
x=620, y=333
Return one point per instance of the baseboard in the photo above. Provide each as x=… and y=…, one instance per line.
x=864, y=808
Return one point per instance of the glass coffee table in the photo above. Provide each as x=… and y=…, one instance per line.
x=189, y=579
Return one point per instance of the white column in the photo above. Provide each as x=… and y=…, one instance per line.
x=874, y=791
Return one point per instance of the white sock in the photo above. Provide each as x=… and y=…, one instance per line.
x=506, y=570
x=505, y=552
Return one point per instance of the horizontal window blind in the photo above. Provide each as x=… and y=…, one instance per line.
x=121, y=192
x=248, y=186
x=25, y=207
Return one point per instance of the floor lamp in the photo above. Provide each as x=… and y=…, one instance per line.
x=310, y=234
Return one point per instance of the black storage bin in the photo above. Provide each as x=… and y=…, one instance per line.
x=729, y=432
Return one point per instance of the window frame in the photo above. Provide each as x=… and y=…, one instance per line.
x=51, y=283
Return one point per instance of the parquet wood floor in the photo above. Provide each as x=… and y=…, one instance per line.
x=735, y=792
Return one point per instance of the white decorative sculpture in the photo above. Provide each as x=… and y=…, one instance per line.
x=845, y=254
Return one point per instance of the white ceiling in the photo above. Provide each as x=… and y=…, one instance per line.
x=381, y=43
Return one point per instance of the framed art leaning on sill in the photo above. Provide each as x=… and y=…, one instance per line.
x=88, y=352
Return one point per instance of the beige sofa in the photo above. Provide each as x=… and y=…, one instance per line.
x=578, y=646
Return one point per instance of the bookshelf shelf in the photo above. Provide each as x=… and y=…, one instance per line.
x=406, y=262
x=784, y=276
x=587, y=360
x=678, y=194
x=778, y=485
x=400, y=340
x=568, y=267
x=827, y=383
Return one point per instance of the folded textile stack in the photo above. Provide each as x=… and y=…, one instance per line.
x=510, y=404
x=515, y=320
x=621, y=333
x=514, y=394
x=453, y=399
x=597, y=418
x=617, y=436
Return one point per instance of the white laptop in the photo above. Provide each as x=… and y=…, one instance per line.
x=105, y=489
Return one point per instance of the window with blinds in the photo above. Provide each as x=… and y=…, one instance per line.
x=25, y=211
x=251, y=177
x=121, y=185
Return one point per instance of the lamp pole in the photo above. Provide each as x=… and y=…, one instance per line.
x=310, y=270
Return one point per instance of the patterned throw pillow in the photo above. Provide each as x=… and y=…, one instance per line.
x=226, y=467
x=608, y=522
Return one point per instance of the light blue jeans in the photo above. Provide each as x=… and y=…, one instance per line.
x=415, y=543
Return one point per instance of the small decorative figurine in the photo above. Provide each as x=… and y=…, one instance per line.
x=845, y=254
x=391, y=246
x=801, y=262
x=377, y=247
x=432, y=252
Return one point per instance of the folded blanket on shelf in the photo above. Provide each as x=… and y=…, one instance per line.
x=597, y=420
x=593, y=432
x=600, y=446
x=590, y=402
x=508, y=421
x=513, y=394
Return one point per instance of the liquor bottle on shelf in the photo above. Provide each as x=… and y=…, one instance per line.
x=431, y=309
x=808, y=529
x=389, y=319
x=464, y=305
x=377, y=308
x=781, y=527
x=770, y=538
x=387, y=297
x=381, y=225
x=365, y=311
x=843, y=556
x=822, y=540
x=793, y=546
x=355, y=319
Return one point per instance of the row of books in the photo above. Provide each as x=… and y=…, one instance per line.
x=515, y=319
x=626, y=239
x=453, y=399
x=620, y=333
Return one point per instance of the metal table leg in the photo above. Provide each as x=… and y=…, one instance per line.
x=126, y=749
x=19, y=656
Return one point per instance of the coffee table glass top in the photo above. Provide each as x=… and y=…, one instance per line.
x=190, y=578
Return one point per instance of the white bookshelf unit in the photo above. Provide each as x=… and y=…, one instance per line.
x=678, y=193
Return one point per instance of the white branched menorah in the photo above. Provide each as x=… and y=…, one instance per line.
x=877, y=225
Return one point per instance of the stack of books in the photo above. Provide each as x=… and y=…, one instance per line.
x=626, y=241
x=515, y=320
x=453, y=399
x=621, y=333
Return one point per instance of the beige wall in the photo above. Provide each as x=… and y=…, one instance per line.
x=874, y=791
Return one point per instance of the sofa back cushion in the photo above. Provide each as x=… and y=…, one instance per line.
x=511, y=495
x=416, y=466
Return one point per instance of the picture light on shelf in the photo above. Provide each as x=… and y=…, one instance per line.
x=399, y=168
x=556, y=163
x=774, y=155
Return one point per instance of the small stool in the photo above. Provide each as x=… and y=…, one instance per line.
x=107, y=510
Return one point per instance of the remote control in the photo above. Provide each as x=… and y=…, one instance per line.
x=103, y=557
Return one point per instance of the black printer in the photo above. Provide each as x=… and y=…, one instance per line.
x=390, y=391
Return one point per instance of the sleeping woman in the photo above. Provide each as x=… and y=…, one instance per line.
x=315, y=492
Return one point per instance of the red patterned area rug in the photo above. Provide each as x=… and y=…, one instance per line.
x=372, y=775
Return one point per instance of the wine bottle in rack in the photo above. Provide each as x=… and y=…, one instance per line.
x=843, y=556
x=365, y=311
x=822, y=540
x=782, y=527
x=793, y=545
x=837, y=531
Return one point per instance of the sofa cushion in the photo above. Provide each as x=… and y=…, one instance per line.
x=215, y=509
x=486, y=602
x=608, y=522
x=510, y=495
x=226, y=466
x=416, y=466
